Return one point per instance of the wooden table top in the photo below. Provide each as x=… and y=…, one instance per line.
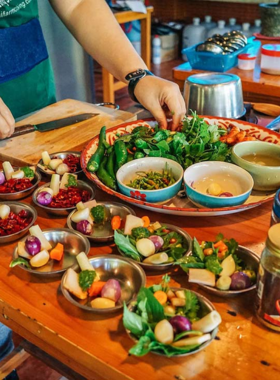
x=97, y=346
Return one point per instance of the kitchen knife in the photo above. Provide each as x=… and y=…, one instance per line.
x=54, y=124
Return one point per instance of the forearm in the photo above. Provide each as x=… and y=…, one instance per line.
x=94, y=26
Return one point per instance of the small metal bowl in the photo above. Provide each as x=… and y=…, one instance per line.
x=105, y=232
x=61, y=211
x=130, y=276
x=62, y=156
x=251, y=260
x=16, y=207
x=216, y=94
x=164, y=267
x=73, y=243
x=23, y=193
x=206, y=308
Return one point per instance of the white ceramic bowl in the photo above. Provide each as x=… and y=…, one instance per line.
x=128, y=172
x=243, y=183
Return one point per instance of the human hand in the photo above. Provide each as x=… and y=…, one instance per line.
x=7, y=122
x=155, y=93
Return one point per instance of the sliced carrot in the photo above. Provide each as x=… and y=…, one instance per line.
x=57, y=252
x=116, y=222
x=146, y=221
x=161, y=296
x=221, y=245
x=95, y=289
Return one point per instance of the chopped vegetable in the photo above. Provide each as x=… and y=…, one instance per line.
x=57, y=252
x=4, y=211
x=44, y=198
x=71, y=283
x=54, y=185
x=202, y=276
x=86, y=278
x=40, y=259
x=99, y=214
x=146, y=221
x=62, y=169
x=21, y=251
x=180, y=324
x=161, y=297
x=140, y=232
x=240, y=281
x=84, y=262
x=54, y=163
x=8, y=170
x=153, y=180
x=28, y=172
x=80, y=215
x=164, y=332
x=32, y=245
x=36, y=231
x=223, y=283
x=111, y=290
x=19, y=174
x=84, y=227
x=228, y=265
x=19, y=261
x=207, y=323
x=132, y=222
x=102, y=303
x=116, y=222
x=158, y=241
x=95, y=289
x=46, y=158
x=194, y=340
x=145, y=247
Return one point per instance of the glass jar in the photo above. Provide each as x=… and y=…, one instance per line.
x=268, y=283
x=275, y=214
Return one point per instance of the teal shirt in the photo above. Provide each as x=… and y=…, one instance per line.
x=34, y=89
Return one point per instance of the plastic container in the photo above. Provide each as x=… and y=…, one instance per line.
x=275, y=214
x=215, y=62
x=208, y=23
x=246, y=61
x=220, y=29
x=156, y=57
x=256, y=28
x=133, y=32
x=268, y=282
x=246, y=29
x=270, y=59
x=232, y=24
x=193, y=34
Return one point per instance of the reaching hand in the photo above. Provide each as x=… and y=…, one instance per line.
x=7, y=122
x=155, y=93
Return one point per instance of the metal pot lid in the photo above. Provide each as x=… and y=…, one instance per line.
x=212, y=79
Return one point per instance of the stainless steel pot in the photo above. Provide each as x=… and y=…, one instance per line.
x=215, y=94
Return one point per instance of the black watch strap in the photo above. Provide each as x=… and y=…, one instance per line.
x=133, y=79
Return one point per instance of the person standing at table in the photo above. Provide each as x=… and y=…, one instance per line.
x=26, y=78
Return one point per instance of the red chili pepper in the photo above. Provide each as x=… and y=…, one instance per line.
x=172, y=241
x=69, y=197
x=165, y=230
x=278, y=306
x=14, y=223
x=15, y=185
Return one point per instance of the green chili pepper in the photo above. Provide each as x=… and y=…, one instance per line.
x=110, y=164
x=19, y=261
x=104, y=176
x=121, y=153
x=155, y=153
x=161, y=135
x=139, y=155
x=94, y=161
x=141, y=144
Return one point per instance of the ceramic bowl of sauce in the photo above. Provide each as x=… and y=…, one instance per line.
x=216, y=184
x=261, y=160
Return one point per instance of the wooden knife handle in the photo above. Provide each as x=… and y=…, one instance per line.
x=22, y=130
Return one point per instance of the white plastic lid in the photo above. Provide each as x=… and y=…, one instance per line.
x=232, y=21
x=196, y=20
x=246, y=26
x=258, y=22
x=208, y=18
x=221, y=24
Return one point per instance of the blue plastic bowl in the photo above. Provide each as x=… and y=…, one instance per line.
x=230, y=172
x=128, y=172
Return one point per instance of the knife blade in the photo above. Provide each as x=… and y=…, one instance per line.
x=53, y=124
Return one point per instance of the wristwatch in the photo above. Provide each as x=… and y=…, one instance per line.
x=133, y=78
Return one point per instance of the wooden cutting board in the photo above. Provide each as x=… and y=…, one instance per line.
x=28, y=148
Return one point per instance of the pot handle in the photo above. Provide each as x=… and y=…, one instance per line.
x=104, y=104
x=274, y=125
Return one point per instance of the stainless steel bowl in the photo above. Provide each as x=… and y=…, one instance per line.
x=73, y=243
x=164, y=267
x=16, y=207
x=216, y=94
x=130, y=276
x=60, y=155
x=61, y=211
x=23, y=193
x=205, y=308
x=251, y=260
x=104, y=233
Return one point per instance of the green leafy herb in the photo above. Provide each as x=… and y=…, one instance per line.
x=19, y=261
x=140, y=232
x=86, y=278
x=28, y=172
x=153, y=308
x=99, y=214
x=197, y=250
x=71, y=181
x=192, y=306
x=212, y=264
x=132, y=321
x=187, y=262
x=126, y=247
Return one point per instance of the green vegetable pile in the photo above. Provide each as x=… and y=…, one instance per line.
x=28, y=173
x=153, y=180
x=99, y=214
x=197, y=141
x=147, y=312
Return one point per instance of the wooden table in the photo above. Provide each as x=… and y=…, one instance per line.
x=97, y=346
x=257, y=87
x=109, y=85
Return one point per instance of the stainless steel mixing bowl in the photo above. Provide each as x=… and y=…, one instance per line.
x=215, y=94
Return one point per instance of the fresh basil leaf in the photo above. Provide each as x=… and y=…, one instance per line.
x=177, y=252
x=132, y=322
x=142, y=347
x=197, y=250
x=126, y=247
x=163, y=146
x=154, y=309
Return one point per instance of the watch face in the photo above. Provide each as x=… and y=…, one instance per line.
x=136, y=74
